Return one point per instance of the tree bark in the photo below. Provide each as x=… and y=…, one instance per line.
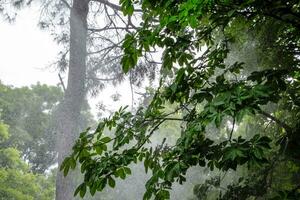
x=69, y=113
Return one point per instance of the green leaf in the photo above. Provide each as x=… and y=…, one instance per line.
x=99, y=150
x=78, y=189
x=105, y=139
x=72, y=163
x=127, y=170
x=101, y=183
x=81, y=189
x=258, y=153
x=111, y=182
x=146, y=164
x=93, y=189
x=121, y=173
x=230, y=13
x=233, y=153
x=167, y=60
x=66, y=169
x=127, y=7
x=162, y=194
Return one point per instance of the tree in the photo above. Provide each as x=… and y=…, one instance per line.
x=196, y=37
x=29, y=113
x=17, y=182
x=85, y=61
x=81, y=42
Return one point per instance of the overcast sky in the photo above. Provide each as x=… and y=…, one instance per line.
x=26, y=51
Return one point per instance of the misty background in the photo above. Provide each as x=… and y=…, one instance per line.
x=60, y=73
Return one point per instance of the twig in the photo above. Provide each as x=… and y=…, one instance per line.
x=62, y=82
x=233, y=123
x=113, y=6
x=280, y=123
x=131, y=89
x=66, y=3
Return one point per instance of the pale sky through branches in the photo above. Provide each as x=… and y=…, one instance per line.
x=26, y=53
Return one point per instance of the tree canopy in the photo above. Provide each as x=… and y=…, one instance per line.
x=197, y=39
x=29, y=113
x=16, y=179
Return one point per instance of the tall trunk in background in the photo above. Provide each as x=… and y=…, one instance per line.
x=69, y=113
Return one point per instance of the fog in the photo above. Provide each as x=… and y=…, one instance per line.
x=68, y=67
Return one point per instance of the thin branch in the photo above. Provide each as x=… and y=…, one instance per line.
x=231, y=132
x=109, y=4
x=186, y=108
x=131, y=89
x=66, y=3
x=107, y=49
x=111, y=20
x=62, y=82
x=110, y=28
x=150, y=134
x=280, y=123
x=113, y=6
x=167, y=119
x=105, y=79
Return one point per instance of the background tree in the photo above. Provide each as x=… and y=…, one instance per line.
x=29, y=113
x=17, y=182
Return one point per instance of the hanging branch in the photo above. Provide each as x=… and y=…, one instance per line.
x=62, y=82
x=66, y=3
x=232, y=129
x=280, y=123
x=131, y=89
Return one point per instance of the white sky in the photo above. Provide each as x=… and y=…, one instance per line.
x=26, y=51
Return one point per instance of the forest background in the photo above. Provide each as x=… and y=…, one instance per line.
x=229, y=83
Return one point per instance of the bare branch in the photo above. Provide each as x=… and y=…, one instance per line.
x=107, y=49
x=105, y=79
x=62, y=82
x=109, y=4
x=232, y=129
x=110, y=28
x=131, y=89
x=113, y=6
x=66, y=3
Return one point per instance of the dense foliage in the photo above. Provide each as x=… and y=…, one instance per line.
x=197, y=38
x=29, y=113
x=16, y=179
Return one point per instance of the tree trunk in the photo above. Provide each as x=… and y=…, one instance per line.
x=69, y=113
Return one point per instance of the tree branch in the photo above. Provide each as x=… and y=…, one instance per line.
x=66, y=3
x=109, y=4
x=232, y=129
x=62, y=82
x=104, y=79
x=112, y=5
x=280, y=123
x=110, y=28
x=131, y=89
